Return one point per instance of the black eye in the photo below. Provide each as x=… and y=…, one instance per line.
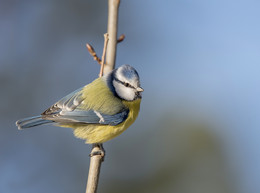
x=126, y=84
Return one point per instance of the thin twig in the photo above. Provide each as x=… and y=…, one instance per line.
x=93, y=53
x=104, y=54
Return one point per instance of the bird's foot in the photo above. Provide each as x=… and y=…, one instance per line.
x=97, y=149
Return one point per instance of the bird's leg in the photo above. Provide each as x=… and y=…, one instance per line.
x=97, y=149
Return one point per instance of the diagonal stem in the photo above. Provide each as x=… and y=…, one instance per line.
x=106, y=38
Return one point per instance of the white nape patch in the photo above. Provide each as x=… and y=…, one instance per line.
x=101, y=119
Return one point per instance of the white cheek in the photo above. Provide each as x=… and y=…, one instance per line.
x=128, y=94
x=123, y=92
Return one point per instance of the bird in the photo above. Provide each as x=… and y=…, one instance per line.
x=99, y=111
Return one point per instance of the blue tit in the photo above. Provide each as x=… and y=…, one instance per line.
x=99, y=111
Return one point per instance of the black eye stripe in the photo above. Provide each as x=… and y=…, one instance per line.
x=124, y=83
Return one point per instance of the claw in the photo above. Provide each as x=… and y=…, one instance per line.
x=97, y=149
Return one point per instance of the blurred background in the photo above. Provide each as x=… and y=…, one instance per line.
x=198, y=129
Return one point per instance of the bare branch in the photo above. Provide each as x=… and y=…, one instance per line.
x=113, y=6
x=94, y=168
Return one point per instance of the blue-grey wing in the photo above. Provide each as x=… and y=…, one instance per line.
x=89, y=117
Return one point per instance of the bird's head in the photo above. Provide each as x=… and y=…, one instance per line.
x=126, y=83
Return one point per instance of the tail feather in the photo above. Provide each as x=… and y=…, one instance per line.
x=31, y=122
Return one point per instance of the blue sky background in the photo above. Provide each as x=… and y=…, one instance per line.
x=198, y=129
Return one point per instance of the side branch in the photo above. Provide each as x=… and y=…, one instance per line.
x=104, y=54
x=93, y=53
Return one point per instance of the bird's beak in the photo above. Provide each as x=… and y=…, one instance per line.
x=139, y=89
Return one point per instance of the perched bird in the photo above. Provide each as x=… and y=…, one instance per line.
x=99, y=111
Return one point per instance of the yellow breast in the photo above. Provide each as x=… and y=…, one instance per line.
x=102, y=133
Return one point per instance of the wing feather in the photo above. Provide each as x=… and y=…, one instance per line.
x=69, y=102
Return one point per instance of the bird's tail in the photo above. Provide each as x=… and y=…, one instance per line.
x=31, y=122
